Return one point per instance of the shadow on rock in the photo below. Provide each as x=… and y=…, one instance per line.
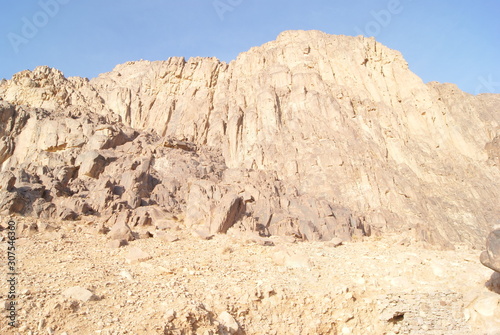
x=493, y=284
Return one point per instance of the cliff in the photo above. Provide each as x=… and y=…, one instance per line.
x=312, y=135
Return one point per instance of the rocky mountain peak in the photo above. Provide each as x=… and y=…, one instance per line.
x=312, y=134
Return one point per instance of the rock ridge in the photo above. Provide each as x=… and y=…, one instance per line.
x=320, y=136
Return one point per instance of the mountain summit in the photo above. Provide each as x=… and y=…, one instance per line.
x=311, y=135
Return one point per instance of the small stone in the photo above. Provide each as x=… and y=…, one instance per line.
x=167, y=237
x=115, y=244
x=229, y=322
x=487, y=305
x=335, y=242
x=203, y=234
x=346, y=330
x=170, y=315
x=297, y=261
x=144, y=235
x=100, y=229
x=136, y=255
x=41, y=324
x=126, y=274
x=45, y=227
x=79, y=293
x=4, y=304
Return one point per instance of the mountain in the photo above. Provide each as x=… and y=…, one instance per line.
x=311, y=135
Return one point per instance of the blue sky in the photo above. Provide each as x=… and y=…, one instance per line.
x=448, y=41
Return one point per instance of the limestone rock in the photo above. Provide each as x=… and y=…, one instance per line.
x=228, y=321
x=136, y=255
x=335, y=242
x=12, y=203
x=170, y=315
x=487, y=304
x=121, y=231
x=226, y=213
x=91, y=164
x=167, y=237
x=202, y=233
x=79, y=293
x=7, y=181
x=66, y=214
x=115, y=244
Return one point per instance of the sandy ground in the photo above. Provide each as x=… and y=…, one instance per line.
x=239, y=284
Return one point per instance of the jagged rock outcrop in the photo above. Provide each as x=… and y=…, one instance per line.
x=343, y=138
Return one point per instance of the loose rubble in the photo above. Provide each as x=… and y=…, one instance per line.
x=233, y=285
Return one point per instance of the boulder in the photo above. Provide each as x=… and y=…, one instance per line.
x=115, y=244
x=121, y=231
x=91, y=164
x=491, y=256
x=66, y=214
x=226, y=213
x=7, y=181
x=11, y=203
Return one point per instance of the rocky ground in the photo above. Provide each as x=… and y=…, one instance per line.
x=75, y=280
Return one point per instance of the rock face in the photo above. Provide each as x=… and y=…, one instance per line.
x=311, y=135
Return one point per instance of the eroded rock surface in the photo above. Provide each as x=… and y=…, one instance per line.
x=317, y=136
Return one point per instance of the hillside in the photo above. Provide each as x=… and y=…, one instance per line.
x=312, y=137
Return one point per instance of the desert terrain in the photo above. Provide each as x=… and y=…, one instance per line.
x=313, y=185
